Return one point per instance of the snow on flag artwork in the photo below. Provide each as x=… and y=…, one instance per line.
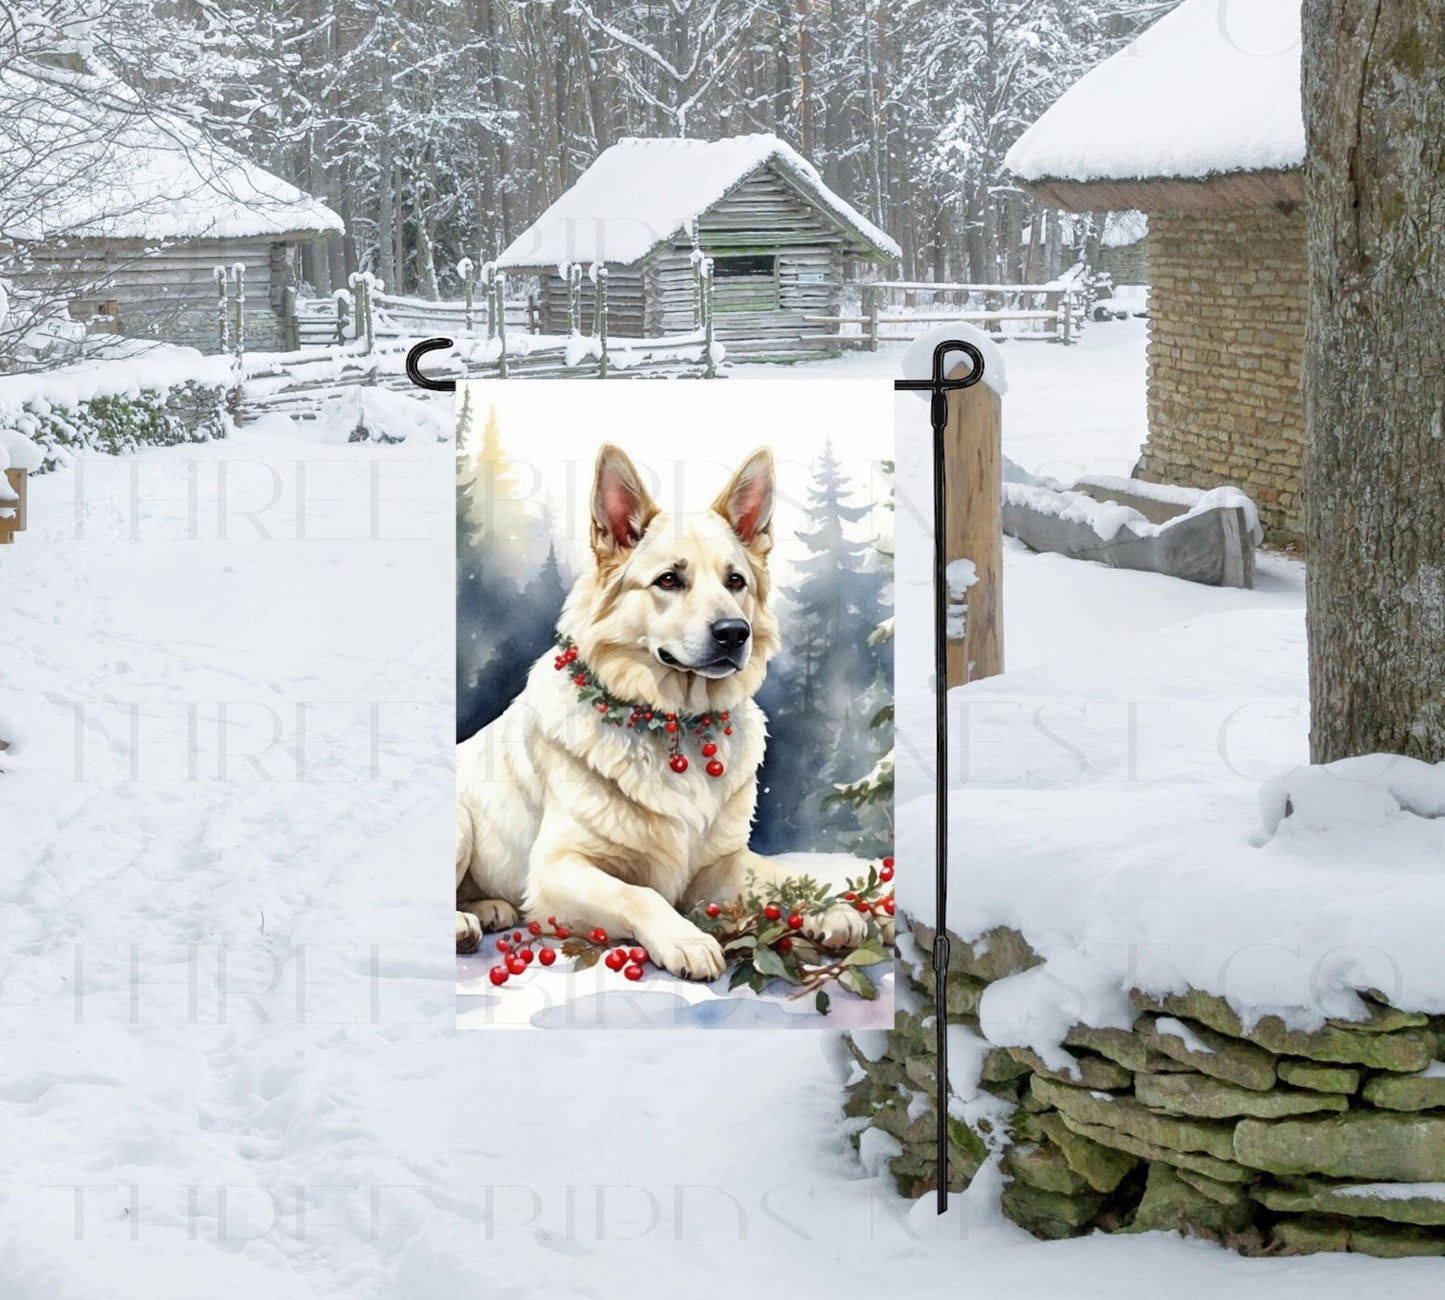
x=674, y=705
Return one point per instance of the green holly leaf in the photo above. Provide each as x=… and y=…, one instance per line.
x=771, y=935
x=587, y=959
x=743, y=974
x=870, y=954
x=771, y=963
x=742, y=941
x=821, y=1003
x=855, y=981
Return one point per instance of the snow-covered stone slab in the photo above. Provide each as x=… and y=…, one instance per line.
x=1210, y=542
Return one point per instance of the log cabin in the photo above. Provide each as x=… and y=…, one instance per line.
x=1198, y=124
x=780, y=241
x=122, y=212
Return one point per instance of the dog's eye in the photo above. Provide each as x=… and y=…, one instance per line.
x=736, y=582
x=668, y=581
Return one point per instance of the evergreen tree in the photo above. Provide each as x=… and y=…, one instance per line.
x=826, y=692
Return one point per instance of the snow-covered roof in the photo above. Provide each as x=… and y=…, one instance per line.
x=97, y=163
x=640, y=193
x=1209, y=89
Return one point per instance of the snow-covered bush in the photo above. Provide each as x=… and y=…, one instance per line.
x=117, y=423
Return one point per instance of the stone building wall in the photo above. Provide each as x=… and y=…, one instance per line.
x=1126, y=263
x=1226, y=352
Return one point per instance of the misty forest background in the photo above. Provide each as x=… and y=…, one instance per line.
x=827, y=782
x=441, y=130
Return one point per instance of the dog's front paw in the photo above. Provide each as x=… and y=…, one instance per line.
x=491, y=914
x=841, y=926
x=687, y=952
x=469, y=933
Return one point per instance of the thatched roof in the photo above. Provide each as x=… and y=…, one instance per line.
x=1201, y=111
x=83, y=157
x=642, y=193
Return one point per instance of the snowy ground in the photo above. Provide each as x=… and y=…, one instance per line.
x=227, y=995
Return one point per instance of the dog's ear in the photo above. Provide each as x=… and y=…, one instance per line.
x=747, y=502
x=621, y=507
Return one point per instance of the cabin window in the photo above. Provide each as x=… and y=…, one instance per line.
x=745, y=282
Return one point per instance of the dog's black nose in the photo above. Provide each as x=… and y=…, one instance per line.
x=731, y=633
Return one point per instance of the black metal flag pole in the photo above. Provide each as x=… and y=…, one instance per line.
x=939, y=387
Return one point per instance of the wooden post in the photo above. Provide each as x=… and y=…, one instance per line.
x=974, y=488
x=533, y=314
x=499, y=289
x=239, y=271
x=489, y=281
x=366, y=312
x=1067, y=305
x=223, y=320
x=290, y=324
x=602, y=322
x=12, y=524
x=340, y=319
x=466, y=269
x=870, y=310
x=709, y=370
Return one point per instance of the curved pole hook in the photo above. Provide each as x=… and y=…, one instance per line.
x=413, y=367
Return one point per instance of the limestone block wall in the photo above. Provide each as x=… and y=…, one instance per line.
x=1226, y=352
x=1268, y=1139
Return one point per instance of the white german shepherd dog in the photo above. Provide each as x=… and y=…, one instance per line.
x=563, y=812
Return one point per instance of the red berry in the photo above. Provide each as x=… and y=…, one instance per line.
x=503, y=946
x=516, y=936
x=552, y=920
x=616, y=959
x=727, y=731
x=772, y=911
x=863, y=907
x=888, y=862
x=795, y=921
x=678, y=763
x=671, y=727
x=580, y=679
x=885, y=872
x=638, y=954
x=601, y=708
x=707, y=722
x=599, y=935
x=547, y=956
x=708, y=749
x=647, y=717
x=515, y=964
x=563, y=932
x=785, y=944
x=888, y=904
x=497, y=975
x=850, y=896
x=633, y=972
x=715, y=768
x=534, y=927
x=724, y=715
x=672, y=717
x=712, y=909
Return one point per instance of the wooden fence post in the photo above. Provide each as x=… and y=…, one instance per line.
x=709, y=370
x=601, y=322
x=340, y=320
x=974, y=495
x=870, y=310
x=223, y=319
x=465, y=267
x=1067, y=306
x=366, y=319
x=499, y=288
x=239, y=271
x=290, y=325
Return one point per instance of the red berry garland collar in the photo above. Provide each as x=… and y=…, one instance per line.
x=638, y=717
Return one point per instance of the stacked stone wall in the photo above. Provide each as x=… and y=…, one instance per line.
x=1261, y=1137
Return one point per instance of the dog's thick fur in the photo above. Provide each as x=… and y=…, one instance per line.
x=560, y=813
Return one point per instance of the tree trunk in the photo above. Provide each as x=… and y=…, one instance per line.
x=1375, y=377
